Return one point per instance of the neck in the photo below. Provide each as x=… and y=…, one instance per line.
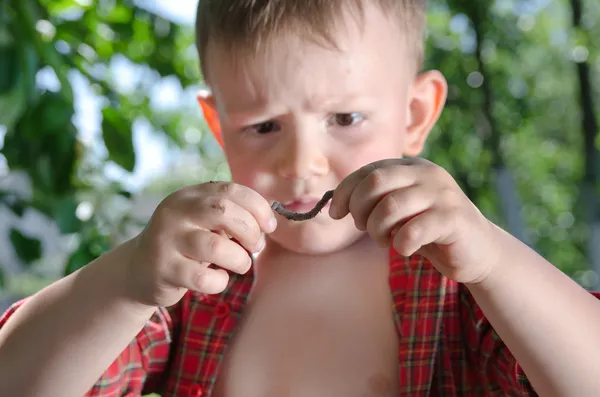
x=275, y=258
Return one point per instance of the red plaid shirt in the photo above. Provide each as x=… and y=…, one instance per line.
x=447, y=347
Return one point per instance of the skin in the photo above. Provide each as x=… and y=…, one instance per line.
x=63, y=338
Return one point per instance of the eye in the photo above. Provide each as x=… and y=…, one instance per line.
x=263, y=128
x=347, y=119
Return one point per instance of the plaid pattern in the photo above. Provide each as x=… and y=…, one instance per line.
x=447, y=347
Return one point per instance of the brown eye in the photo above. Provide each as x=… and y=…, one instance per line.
x=264, y=128
x=347, y=119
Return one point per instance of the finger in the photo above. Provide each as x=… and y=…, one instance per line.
x=211, y=281
x=218, y=213
x=427, y=228
x=374, y=187
x=197, y=277
x=250, y=200
x=208, y=247
x=398, y=207
x=340, y=203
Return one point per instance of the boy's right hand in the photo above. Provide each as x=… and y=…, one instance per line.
x=188, y=232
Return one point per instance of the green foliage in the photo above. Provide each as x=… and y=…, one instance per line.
x=528, y=65
x=27, y=248
x=116, y=131
x=91, y=248
x=513, y=102
x=83, y=38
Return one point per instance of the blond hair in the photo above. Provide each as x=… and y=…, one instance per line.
x=245, y=25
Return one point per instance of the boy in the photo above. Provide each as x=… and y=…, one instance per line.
x=308, y=96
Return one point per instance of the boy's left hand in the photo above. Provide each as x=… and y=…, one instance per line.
x=421, y=207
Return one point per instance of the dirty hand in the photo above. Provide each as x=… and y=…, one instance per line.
x=188, y=232
x=420, y=208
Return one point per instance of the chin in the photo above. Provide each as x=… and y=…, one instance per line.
x=317, y=236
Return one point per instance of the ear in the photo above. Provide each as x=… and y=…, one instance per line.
x=430, y=91
x=207, y=104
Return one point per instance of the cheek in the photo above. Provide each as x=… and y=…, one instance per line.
x=242, y=167
x=249, y=170
x=350, y=159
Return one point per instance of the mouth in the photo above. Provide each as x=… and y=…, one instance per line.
x=303, y=204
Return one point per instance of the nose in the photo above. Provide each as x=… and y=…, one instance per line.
x=303, y=157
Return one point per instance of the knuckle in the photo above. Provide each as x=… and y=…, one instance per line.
x=219, y=205
x=412, y=231
x=187, y=190
x=389, y=205
x=176, y=273
x=375, y=179
x=452, y=197
x=201, y=279
x=367, y=169
x=178, y=194
x=164, y=212
x=438, y=172
x=214, y=243
x=227, y=188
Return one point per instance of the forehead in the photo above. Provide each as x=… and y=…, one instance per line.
x=363, y=56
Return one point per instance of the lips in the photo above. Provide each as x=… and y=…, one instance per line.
x=303, y=204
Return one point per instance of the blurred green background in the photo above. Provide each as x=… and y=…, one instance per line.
x=98, y=122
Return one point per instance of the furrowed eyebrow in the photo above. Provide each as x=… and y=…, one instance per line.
x=257, y=112
x=251, y=117
x=346, y=101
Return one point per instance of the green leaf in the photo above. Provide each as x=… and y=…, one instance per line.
x=16, y=206
x=118, y=138
x=12, y=106
x=120, y=14
x=80, y=258
x=55, y=113
x=58, y=6
x=9, y=68
x=125, y=194
x=91, y=248
x=28, y=13
x=65, y=216
x=13, y=94
x=28, y=249
x=2, y=278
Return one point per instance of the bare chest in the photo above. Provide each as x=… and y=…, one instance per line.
x=333, y=336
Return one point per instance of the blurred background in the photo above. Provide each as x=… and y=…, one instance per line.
x=98, y=123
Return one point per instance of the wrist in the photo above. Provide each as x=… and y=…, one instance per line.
x=502, y=247
x=112, y=273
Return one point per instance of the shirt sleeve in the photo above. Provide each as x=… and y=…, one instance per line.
x=497, y=368
x=142, y=367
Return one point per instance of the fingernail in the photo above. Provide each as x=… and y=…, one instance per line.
x=248, y=265
x=272, y=225
x=261, y=243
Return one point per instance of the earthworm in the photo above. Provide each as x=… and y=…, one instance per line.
x=280, y=209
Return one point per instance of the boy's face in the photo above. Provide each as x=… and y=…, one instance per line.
x=300, y=117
